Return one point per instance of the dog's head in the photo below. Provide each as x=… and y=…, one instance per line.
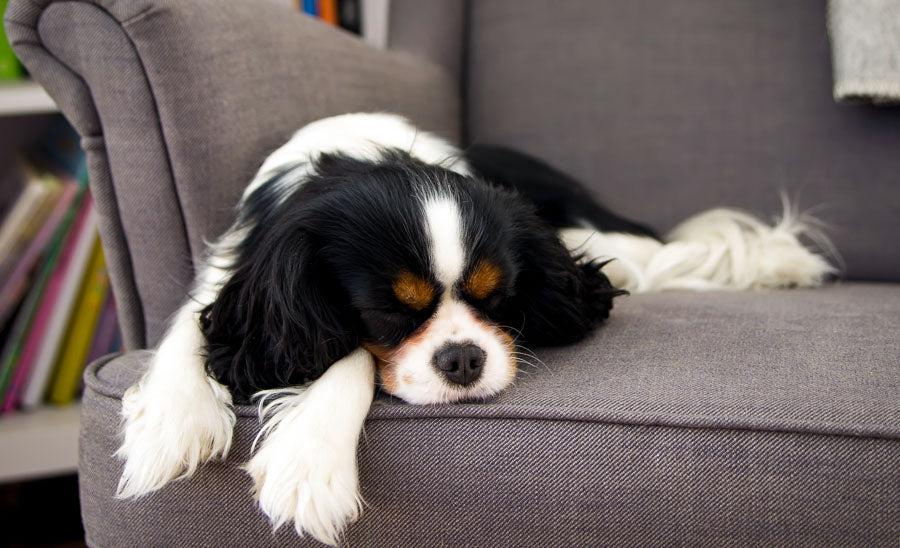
x=439, y=275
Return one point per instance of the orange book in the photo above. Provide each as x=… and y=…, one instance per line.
x=328, y=11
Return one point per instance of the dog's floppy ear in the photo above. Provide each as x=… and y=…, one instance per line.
x=280, y=319
x=560, y=298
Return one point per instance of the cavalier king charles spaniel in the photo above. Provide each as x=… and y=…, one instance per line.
x=368, y=252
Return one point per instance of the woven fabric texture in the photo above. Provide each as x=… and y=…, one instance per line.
x=767, y=417
x=669, y=108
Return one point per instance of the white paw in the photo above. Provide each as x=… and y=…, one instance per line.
x=311, y=484
x=169, y=430
x=316, y=488
x=305, y=470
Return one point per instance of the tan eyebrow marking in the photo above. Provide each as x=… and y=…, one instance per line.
x=412, y=290
x=483, y=280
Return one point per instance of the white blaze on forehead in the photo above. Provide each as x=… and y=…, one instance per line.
x=444, y=225
x=362, y=136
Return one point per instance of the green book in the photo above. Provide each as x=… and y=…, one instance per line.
x=10, y=68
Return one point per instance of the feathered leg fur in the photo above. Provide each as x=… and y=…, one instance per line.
x=176, y=417
x=305, y=468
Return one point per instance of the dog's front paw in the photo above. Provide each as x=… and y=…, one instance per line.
x=168, y=433
x=305, y=470
x=315, y=489
x=307, y=477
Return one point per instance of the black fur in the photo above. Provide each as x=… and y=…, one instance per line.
x=559, y=199
x=312, y=280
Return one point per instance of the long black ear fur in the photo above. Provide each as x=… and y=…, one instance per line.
x=279, y=320
x=561, y=298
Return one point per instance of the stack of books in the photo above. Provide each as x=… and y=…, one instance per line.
x=346, y=14
x=56, y=310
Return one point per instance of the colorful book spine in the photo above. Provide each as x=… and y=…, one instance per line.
x=37, y=334
x=11, y=359
x=79, y=253
x=23, y=210
x=328, y=11
x=82, y=325
x=13, y=287
x=16, y=353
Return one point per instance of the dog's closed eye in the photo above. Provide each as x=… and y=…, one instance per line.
x=413, y=291
x=484, y=279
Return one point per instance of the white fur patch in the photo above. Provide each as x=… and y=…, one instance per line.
x=361, y=136
x=631, y=253
x=305, y=468
x=720, y=249
x=444, y=225
x=176, y=417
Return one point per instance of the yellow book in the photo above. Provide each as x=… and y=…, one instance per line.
x=74, y=351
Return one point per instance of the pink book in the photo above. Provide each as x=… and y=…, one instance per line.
x=39, y=328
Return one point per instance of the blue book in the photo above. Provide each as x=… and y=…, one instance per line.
x=309, y=6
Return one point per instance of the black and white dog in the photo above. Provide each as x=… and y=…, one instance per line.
x=365, y=249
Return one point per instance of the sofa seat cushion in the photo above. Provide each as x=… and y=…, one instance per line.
x=821, y=361
x=764, y=416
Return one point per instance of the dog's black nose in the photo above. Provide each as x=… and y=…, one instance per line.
x=460, y=363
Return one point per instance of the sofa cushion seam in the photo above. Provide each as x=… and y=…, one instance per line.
x=636, y=423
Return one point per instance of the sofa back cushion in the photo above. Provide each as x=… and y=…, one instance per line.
x=668, y=108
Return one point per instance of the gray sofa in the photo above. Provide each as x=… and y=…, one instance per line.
x=758, y=418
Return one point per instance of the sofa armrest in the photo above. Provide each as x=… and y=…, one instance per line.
x=179, y=102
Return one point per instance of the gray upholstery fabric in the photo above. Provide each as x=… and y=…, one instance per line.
x=129, y=307
x=735, y=418
x=187, y=119
x=434, y=30
x=670, y=108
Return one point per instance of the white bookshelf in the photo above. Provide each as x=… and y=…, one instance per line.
x=43, y=442
x=24, y=98
x=39, y=443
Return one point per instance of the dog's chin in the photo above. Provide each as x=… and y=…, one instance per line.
x=423, y=386
x=444, y=392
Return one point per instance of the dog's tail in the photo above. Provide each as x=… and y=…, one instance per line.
x=720, y=249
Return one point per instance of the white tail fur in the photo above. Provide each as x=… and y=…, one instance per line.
x=723, y=249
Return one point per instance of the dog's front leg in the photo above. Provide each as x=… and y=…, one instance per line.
x=305, y=469
x=176, y=417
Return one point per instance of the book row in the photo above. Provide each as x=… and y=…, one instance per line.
x=57, y=312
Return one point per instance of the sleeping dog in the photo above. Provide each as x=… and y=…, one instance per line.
x=366, y=251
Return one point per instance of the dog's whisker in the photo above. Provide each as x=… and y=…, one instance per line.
x=531, y=355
